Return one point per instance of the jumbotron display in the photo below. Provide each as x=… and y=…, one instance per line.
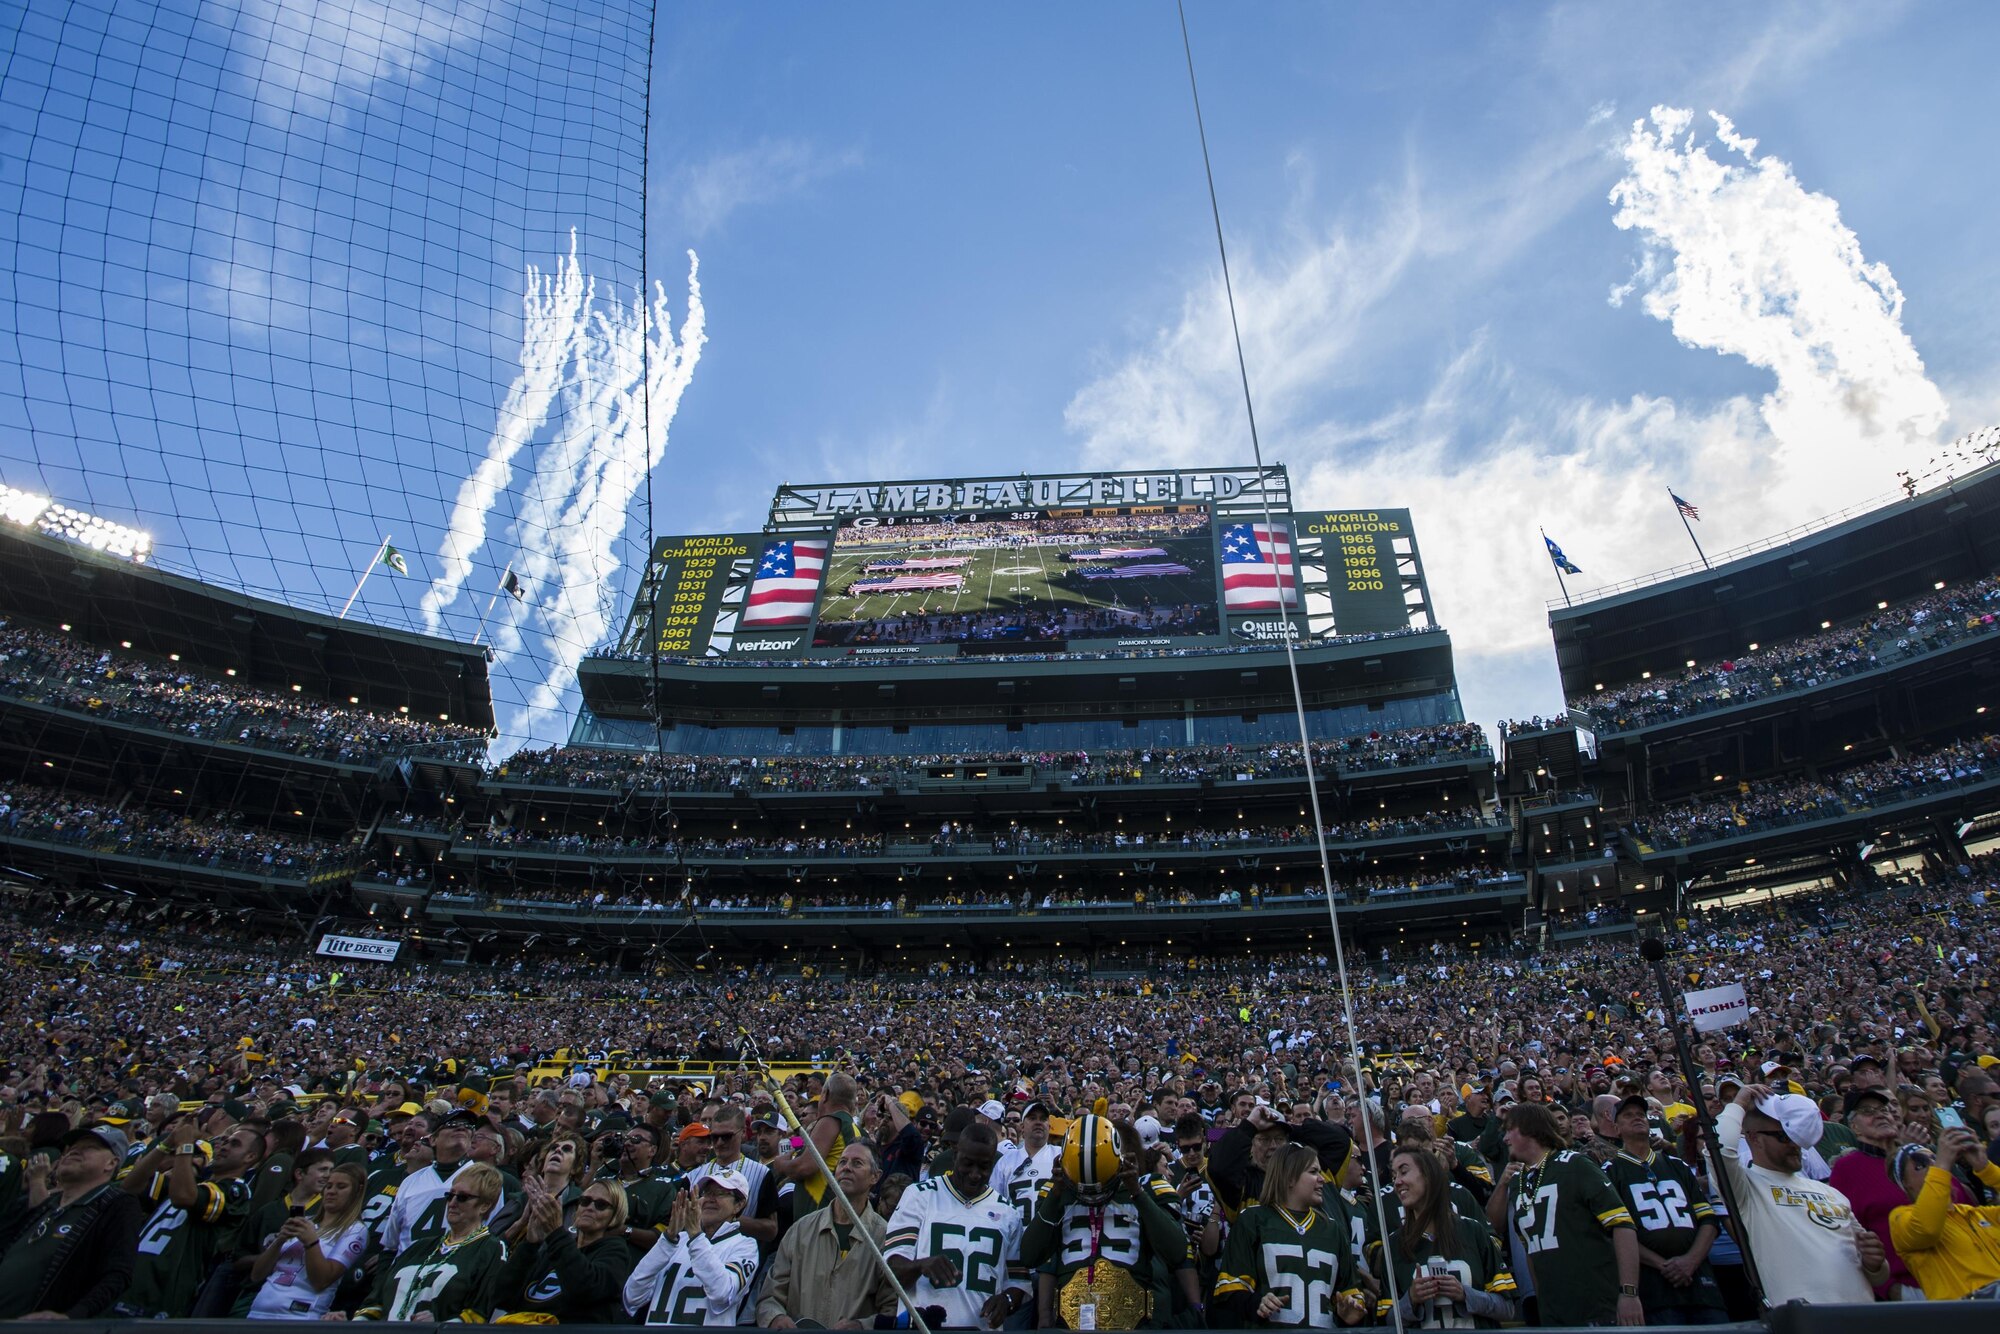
x=1059, y=563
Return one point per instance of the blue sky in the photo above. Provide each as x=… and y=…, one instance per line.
x=939, y=240
x=946, y=239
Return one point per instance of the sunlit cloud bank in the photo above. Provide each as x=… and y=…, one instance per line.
x=1736, y=256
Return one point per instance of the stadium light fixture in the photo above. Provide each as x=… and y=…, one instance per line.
x=1598, y=686
x=1645, y=676
x=45, y=516
x=124, y=643
x=1753, y=648
x=1690, y=662
x=1882, y=606
x=1938, y=584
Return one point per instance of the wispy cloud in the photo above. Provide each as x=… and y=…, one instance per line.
x=1738, y=258
x=709, y=191
x=632, y=369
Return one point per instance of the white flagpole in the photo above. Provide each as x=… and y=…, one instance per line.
x=373, y=561
x=492, y=601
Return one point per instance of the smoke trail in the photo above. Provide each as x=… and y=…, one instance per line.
x=581, y=500
x=553, y=307
x=1742, y=259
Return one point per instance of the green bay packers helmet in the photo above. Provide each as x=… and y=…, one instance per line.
x=1092, y=1154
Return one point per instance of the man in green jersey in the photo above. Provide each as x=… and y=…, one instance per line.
x=1676, y=1224
x=199, y=1211
x=1576, y=1231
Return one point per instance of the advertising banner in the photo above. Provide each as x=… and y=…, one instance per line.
x=359, y=947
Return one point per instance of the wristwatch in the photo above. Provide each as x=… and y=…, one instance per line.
x=1628, y=1289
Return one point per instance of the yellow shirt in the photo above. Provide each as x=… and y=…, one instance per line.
x=1951, y=1249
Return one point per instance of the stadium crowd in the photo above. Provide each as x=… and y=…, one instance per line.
x=398, y=1140
x=1919, y=626
x=587, y=767
x=957, y=839
x=52, y=669
x=28, y=811
x=1758, y=805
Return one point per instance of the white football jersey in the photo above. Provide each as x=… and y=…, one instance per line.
x=981, y=1235
x=701, y=1280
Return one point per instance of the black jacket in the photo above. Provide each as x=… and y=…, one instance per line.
x=91, y=1266
x=1238, y=1180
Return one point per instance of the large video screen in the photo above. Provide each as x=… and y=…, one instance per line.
x=1020, y=578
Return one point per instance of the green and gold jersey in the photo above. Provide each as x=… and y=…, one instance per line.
x=1565, y=1210
x=438, y=1280
x=1305, y=1260
x=649, y=1196
x=380, y=1198
x=177, y=1247
x=1473, y=1258
x=1669, y=1208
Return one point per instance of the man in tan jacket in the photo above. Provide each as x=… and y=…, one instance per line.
x=823, y=1272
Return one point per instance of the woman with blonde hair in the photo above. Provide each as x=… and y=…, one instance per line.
x=446, y=1274
x=574, y=1274
x=297, y=1275
x=1286, y=1263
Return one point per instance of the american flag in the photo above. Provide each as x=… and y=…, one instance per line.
x=1256, y=564
x=921, y=563
x=905, y=583
x=1116, y=553
x=1136, y=571
x=787, y=582
x=1684, y=507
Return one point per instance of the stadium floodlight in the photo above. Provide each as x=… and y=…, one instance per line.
x=45, y=516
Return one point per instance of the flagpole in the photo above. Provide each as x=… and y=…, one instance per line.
x=1690, y=529
x=373, y=561
x=491, y=601
x=1559, y=569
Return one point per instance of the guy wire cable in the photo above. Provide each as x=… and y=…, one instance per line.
x=749, y=1054
x=1298, y=702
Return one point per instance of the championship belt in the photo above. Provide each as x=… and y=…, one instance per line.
x=1119, y=1300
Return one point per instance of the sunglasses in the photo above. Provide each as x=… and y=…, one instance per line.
x=460, y=1196
x=592, y=1202
x=1190, y=1148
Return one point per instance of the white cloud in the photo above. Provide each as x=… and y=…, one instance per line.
x=1739, y=258
x=631, y=370
x=554, y=319
x=709, y=191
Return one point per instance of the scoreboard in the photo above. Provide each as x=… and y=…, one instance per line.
x=958, y=568
x=1363, y=580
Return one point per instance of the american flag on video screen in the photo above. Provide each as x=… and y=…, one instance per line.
x=1256, y=559
x=906, y=583
x=787, y=581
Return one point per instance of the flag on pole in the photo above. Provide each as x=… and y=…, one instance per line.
x=1556, y=554
x=1685, y=508
x=511, y=586
x=394, y=560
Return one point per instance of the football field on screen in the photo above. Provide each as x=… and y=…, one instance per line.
x=1013, y=579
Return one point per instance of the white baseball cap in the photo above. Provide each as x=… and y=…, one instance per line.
x=1150, y=1130
x=728, y=1179
x=993, y=1109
